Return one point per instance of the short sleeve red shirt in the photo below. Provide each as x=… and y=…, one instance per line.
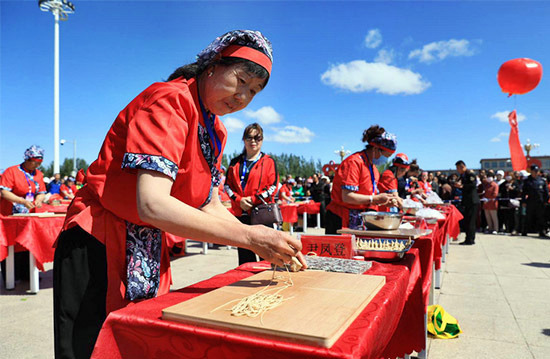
x=353, y=174
x=161, y=130
x=14, y=180
x=286, y=190
x=426, y=186
x=69, y=189
x=388, y=182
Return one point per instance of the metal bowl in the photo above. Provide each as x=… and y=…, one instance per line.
x=382, y=220
x=410, y=210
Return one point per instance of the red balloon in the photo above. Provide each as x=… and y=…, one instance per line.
x=519, y=76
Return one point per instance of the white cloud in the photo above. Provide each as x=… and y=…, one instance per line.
x=233, y=124
x=437, y=51
x=373, y=39
x=385, y=56
x=265, y=115
x=502, y=116
x=500, y=135
x=291, y=134
x=362, y=76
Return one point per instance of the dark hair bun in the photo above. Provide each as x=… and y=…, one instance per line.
x=372, y=132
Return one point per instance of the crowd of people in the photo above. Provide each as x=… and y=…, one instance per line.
x=509, y=203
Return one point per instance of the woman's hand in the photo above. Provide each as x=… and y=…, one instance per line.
x=246, y=203
x=27, y=204
x=274, y=246
x=383, y=198
x=302, y=260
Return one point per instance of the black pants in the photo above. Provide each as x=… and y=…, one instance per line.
x=508, y=219
x=333, y=222
x=246, y=255
x=535, y=218
x=80, y=291
x=470, y=218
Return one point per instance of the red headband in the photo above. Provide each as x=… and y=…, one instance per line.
x=248, y=53
x=382, y=147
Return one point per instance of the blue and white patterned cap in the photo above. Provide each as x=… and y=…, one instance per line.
x=33, y=152
x=386, y=141
x=249, y=38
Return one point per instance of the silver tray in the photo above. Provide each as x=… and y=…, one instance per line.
x=385, y=255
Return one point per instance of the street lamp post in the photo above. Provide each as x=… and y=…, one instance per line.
x=62, y=142
x=342, y=153
x=60, y=10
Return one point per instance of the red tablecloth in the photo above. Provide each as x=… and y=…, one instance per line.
x=310, y=207
x=450, y=226
x=391, y=325
x=289, y=212
x=35, y=234
x=425, y=247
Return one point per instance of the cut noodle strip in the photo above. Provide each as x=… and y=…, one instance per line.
x=260, y=302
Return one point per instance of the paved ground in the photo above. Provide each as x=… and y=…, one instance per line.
x=497, y=289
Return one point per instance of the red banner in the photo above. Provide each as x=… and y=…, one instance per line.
x=337, y=246
x=516, y=152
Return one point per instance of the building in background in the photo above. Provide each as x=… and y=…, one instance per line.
x=505, y=164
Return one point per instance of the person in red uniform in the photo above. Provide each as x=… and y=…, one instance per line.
x=389, y=179
x=22, y=186
x=424, y=183
x=285, y=193
x=252, y=179
x=158, y=170
x=354, y=188
x=68, y=189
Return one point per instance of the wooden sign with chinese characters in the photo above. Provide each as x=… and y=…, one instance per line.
x=318, y=308
x=337, y=246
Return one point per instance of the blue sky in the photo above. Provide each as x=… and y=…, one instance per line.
x=426, y=71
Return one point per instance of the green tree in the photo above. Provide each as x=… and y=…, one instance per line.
x=66, y=167
x=294, y=165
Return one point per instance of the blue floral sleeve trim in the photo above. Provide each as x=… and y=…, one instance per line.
x=150, y=162
x=42, y=192
x=6, y=188
x=350, y=188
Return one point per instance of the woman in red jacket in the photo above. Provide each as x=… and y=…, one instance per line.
x=252, y=179
x=158, y=170
x=354, y=188
x=389, y=179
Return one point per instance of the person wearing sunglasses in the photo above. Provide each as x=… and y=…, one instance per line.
x=252, y=179
x=22, y=185
x=355, y=185
x=158, y=171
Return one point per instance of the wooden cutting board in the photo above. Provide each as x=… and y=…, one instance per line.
x=321, y=307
